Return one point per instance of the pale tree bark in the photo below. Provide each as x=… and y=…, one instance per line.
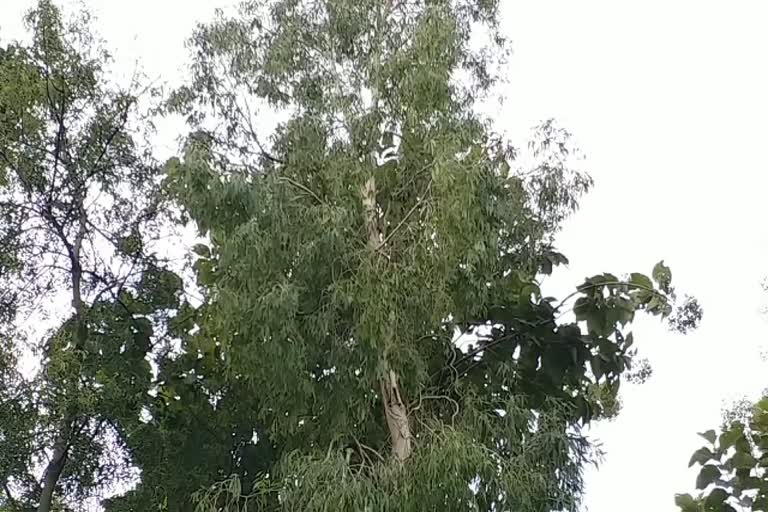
x=397, y=417
x=395, y=410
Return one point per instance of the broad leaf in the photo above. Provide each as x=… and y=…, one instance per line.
x=701, y=456
x=709, y=435
x=662, y=275
x=686, y=503
x=708, y=474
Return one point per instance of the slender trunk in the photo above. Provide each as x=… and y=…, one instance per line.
x=394, y=407
x=397, y=416
x=395, y=411
x=61, y=446
x=53, y=472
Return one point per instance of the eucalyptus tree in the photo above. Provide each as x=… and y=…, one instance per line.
x=348, y=249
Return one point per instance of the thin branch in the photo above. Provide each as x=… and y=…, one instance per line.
x=453, y=402
x=582, y=289
x=11, y=499
x=363, y=447
x=252, y=132
x=407, y=216
x=302, y=187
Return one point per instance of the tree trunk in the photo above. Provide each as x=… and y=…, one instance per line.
x=397, y=416
x=52, y=473
x=61, y=446
x=394, y=407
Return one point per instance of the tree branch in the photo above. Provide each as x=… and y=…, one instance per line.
x=406, y=217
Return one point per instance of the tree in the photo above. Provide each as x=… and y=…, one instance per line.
x=79, y=216
x=201, y=428
x=733, y=464
x=384, y=217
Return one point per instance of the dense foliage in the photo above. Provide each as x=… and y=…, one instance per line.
x=371, y=333
x=380, y=219
x=79, y=219
x=733, y=464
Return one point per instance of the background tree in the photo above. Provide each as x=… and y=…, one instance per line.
x=201, y=428
x=381, y=219
x=733, y=464
x=79, y=216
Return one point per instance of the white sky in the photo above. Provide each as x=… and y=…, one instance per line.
x=669, y=101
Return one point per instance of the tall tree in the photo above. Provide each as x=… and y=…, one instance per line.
x=79, y=215
x=382, y=218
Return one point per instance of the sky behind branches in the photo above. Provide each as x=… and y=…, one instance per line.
x=669, y=102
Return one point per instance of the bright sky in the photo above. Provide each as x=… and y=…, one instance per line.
x=669, y=101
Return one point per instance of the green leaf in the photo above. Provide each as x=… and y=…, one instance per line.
x=603, y=279
x=597, y=322
x=701, y=456
x=202, y=250
x=743, y=460
x=707, y=475
x=658, y=305
x=742, y=445
x=709, y=435
x=716, y=498
x=641, y=281
x=749, y=482
x=529, y=292
x=760, y=504
x=205, y=273
x=581, y=308
x=685, y=502
x=662, y=275
x=597, y=367
x=729, y=437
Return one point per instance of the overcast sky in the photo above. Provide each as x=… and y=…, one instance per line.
x=669, y=100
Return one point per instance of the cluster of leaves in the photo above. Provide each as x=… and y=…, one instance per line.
x=198, y=428
x=454, y=471
x=733, y=466
x=567, y=361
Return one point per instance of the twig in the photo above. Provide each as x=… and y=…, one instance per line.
x=366, y=447
x=406, y=217
x=301, y=187
x=440, y=397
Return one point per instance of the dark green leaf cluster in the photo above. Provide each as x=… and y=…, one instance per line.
x=733, y=466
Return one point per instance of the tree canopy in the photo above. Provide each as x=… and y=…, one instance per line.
x=79, y=221
x=371, y=333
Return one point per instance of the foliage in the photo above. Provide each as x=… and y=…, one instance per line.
x=372, y=334
x=733, y=465
x=199, y=428
x=79, y=218
x=382, y=218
